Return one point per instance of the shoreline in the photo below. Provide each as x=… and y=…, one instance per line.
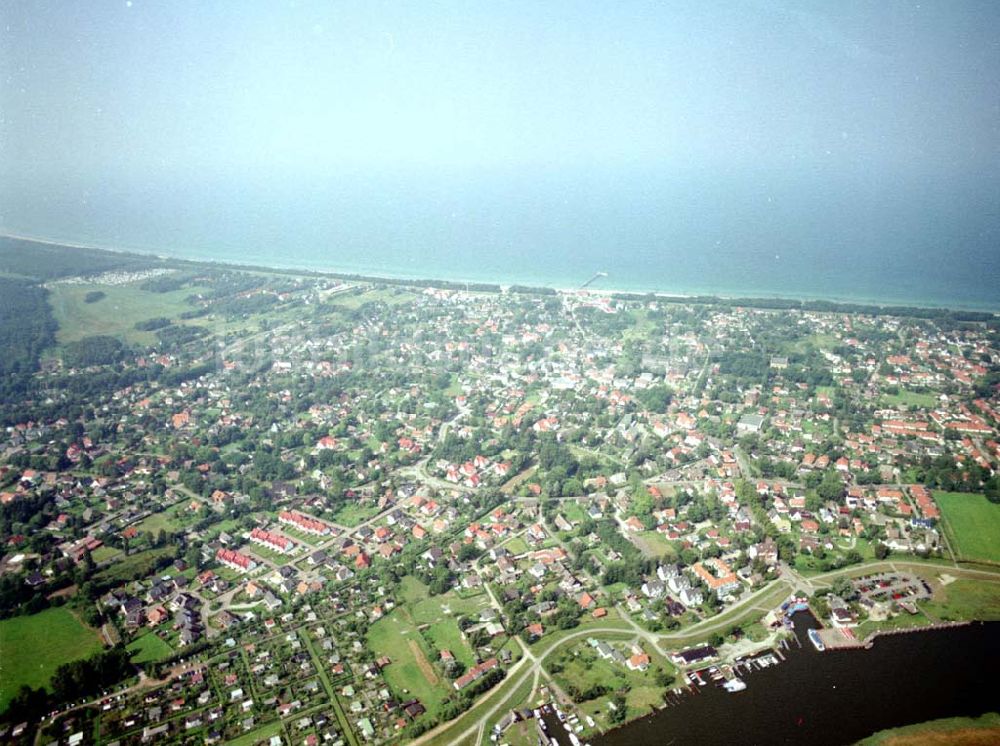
x=844, y=305
x=861, y=647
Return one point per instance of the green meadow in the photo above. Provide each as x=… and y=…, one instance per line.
x=972, y=524
x=33, y=647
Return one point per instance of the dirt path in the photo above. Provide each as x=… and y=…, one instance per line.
x=425, y=665
x=512, y=484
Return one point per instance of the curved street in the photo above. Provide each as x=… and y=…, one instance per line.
x=531, y=664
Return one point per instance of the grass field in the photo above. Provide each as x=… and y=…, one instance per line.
x=116, y=314
x=449, y=604
x=981, y=731
x=654, y=544
x=149, y=648
x=352, y=514
x=516, y=545
x=900, y=621
x=447, y=636
x=910, y=399
x=972, y=524
x=390, y=296
x=965, y=599
x=411, y=672
x=410, y=635
x=33, y=647
x=135, y=566
x=819, y=341
x=412, y=591
x=166, y=520
x=103, y=553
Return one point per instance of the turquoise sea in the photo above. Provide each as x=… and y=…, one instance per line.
x=920, y=240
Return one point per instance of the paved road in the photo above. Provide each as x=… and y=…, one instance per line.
x=531, y=664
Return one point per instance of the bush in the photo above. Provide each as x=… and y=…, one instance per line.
x=151, y=325
x=98, y=350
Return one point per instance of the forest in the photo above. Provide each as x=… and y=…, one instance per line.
x=45, y=261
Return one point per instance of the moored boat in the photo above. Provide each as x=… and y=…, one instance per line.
x=734, y=685
x=814, y=639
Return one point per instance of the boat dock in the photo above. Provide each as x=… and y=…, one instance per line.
x=843, y=638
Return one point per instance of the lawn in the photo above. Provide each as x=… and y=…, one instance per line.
x=33, y=647
x=273, y=555
x=454, y=388
x=972, y=524
x=573, y=512
x=411, y=673
x=524, y=733
x=149, y=648
x=116, y=314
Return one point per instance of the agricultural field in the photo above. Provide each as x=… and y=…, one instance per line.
x=33, y=647
x=972, y=524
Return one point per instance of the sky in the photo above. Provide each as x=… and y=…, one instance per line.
x=122, y=89
x=814, y=148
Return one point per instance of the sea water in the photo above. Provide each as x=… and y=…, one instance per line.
x=862, y=237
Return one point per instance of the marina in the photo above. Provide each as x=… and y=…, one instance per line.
x=831, y=697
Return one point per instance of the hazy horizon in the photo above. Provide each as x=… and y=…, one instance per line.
x=759, y=143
